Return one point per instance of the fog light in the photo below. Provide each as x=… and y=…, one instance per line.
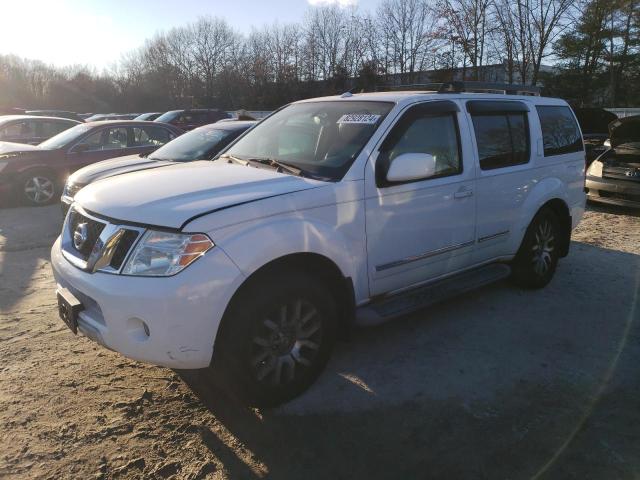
x=138, y=330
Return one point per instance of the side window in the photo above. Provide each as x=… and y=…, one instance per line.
x=93, y=142
x=560, y=131
x=150, y=136
x=49, y=129
x=435, y=134
x=187, y=117
x=19, y=130
x=116, y=138
x=11, y=131
x=502, y=138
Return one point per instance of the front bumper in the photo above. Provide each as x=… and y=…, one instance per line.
x=181, y=313
x=612, y=191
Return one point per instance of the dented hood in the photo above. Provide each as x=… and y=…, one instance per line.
x=173, y=195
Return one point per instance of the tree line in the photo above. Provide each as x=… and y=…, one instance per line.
x=592, y=44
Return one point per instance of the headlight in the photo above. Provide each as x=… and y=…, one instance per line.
x=70, y=189
x=595, y=169
x=162, y=254
x=2, y=165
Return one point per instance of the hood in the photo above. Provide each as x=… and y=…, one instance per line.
x=173, y=195
x=10, y=147
x=594, y=121
x=625, y=130
x=114, y=166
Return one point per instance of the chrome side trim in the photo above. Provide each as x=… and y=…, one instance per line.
x=491, y=237
x=415, y=258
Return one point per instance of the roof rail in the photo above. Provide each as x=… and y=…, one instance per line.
x=466, y=86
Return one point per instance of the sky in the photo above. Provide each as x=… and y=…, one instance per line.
x=98, y=32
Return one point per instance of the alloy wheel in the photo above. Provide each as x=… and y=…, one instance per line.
x=39, y=189
x=287, y=341
x=543, y=248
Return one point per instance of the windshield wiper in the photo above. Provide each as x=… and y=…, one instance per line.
x=278, y=165
x=233, y=159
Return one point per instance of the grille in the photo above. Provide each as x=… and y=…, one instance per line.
x=124, y=245
x=94, y=229
x=620, y=173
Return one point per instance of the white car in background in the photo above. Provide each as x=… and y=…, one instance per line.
x=334, y=211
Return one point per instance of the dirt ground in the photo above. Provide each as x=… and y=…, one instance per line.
x=503, y=383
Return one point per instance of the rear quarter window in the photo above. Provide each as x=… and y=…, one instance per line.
x=560, y=132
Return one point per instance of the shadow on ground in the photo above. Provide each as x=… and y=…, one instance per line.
x=502, y=383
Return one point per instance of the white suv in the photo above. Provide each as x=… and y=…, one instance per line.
x=331, y=212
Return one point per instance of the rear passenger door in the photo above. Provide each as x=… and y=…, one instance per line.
x=503, y=148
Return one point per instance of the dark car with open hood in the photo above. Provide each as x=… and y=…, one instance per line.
x=35, y=174
x=594, y=124
x=614, y=177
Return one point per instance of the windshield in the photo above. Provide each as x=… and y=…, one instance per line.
x=322, y=139
x=60, y=140
x=168, y=116
x=202, y=143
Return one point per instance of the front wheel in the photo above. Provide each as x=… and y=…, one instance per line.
x=538, y=256
x=276, y=338
x=36, y=188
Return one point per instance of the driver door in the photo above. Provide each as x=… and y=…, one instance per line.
x=421, y=229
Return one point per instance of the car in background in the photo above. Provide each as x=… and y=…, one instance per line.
x=594, y=123
x=35, y=174
x=56, y=113
x=614, y=177
x=202, y=143
x=32, y=129
x=148, y=116
x=190, y=119
x=111, y=116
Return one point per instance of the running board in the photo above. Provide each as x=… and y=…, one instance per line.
x=385, y=309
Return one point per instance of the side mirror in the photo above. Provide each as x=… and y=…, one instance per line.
x=607, y=143
x=411, y=166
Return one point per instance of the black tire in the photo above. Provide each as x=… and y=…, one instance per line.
x=538, y=256
x=264, y=356
x=36, y=188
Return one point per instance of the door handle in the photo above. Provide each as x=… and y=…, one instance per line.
x=463, y=193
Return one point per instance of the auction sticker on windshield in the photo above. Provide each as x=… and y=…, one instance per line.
x=363, y=118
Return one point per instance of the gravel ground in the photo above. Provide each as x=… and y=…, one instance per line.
x=502, y=383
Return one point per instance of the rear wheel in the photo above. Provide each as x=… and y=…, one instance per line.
x=36, y=187
x=538, y=256
x=276, y=339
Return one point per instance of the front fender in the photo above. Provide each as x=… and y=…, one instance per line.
x=253, y=246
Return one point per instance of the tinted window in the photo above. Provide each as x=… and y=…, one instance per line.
x=436, y=135
x=502, y=139
x=150, y=136
x=19, y=131
x=106, y=139
x=559, y=130
x=49, y=129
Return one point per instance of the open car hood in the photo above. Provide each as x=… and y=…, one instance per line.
x=171, y=196
x=625, y=131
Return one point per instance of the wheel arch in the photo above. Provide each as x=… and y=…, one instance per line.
x=340, y=287
x=549, y=193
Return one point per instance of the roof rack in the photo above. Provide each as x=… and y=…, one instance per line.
x=477, y=87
